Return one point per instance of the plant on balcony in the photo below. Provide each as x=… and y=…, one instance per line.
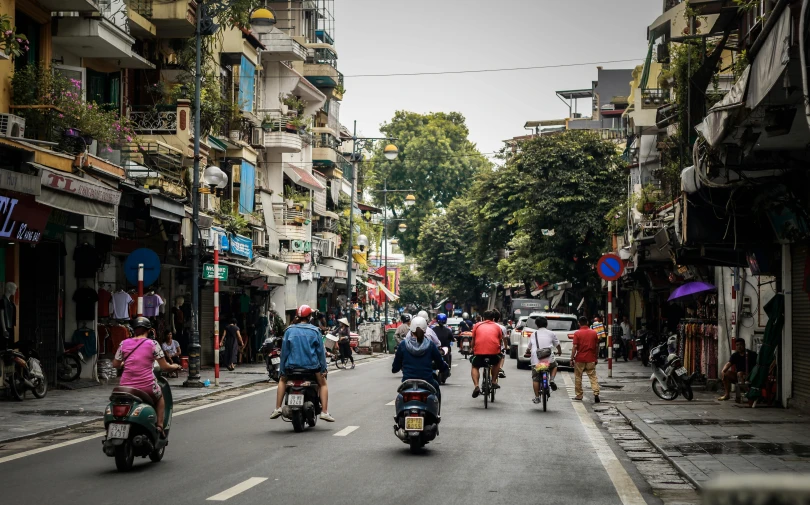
x=297, y=198
x=11, y=43
x=649, y=199
x=233, y=222
x=295, y=103
x=300, y=124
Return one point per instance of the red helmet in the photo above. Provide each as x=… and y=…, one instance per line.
x=304, y=311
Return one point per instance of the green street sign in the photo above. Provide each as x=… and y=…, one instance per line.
x=208, y=272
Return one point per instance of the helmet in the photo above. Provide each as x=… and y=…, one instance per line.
x=441, y=319
x=465, y=316
x=142, y=322
x=406, y=318
x=304, y=311
x=419, y=322
x=423, y=315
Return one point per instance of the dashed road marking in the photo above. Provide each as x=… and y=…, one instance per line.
x=239, y=488
x=345, y=431
x=392, y=402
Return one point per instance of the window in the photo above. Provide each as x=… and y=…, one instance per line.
x=31, y=29
x=76, y=73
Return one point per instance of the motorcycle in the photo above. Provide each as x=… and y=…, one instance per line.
x=69, y=364
x=465, y=344
x=129, y=420
x=302, y=401
x=22, y=371
x=417, y=414
x=447, y=356
x=669, y=377
x=646, y=341
x=272, y=356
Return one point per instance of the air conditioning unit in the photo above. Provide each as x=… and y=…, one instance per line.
x=257, y=137
x=12, y=126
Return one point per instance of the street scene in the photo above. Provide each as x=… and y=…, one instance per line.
x=329, y=251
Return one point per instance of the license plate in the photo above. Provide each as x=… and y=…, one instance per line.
x=639, y=347
x=118, y=431
x=275, y=361
x=295, y=400
x=680, y=371
x=414, y=423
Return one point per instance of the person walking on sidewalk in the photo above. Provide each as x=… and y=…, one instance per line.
x=231, y=343
x=738, y=368
x=625, y=337
x=584, y=357
x=344, y=341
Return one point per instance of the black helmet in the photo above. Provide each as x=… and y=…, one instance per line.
x=141, y=322
x=406, y=318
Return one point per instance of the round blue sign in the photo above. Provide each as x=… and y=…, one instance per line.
x=151, y=266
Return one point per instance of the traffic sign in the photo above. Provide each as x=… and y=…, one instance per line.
x=151, y=266
x=208, y=272
x=610, y=267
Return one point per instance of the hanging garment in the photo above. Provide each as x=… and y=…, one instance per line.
x=85, y=299
x=104, y=299
x=151, y=305
x=121, y=302
x=87, y=337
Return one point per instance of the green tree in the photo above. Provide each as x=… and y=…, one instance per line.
x=414, y=289
x=436, y=160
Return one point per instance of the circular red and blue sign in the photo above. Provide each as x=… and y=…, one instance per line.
x=610, y=267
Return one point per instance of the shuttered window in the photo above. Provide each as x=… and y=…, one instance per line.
x=801, y=326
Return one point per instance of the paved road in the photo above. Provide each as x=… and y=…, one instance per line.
x=511, y=453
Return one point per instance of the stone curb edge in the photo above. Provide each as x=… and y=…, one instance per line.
x=656, y=443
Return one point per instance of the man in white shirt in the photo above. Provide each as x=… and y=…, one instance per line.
x=626, y=336
x=543, y=338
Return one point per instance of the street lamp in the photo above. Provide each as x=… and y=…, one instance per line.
x=390, y=152
x=410, y=200
x=214, y=177
x=362, y=242
x=402, y=227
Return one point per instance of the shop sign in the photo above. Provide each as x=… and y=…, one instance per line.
x=341, y=274
x=23, y=219
x=301, y=246
x=293, y=268
x=208, y=272
x=79, y=187
x=242, y=246
x=21, y=183
x=306, y=276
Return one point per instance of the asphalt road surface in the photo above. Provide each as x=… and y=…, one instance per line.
x=230, y=451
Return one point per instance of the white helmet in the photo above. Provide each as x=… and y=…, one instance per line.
x=423, y=315
x=418, y=322
x=465, y=316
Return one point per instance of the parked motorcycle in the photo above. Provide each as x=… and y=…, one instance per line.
x=417, y=414
x=645, y=342
x=465, y=344
x=669, y=377
x=447, y=356
x=69, y=364
x=302, y=401
x=272, y=356
x=130, y=423
x=22, y=371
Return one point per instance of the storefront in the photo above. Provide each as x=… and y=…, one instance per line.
x=800, y=326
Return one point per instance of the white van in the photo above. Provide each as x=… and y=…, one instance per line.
x=563, y=325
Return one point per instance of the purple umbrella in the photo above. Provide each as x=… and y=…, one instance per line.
x=691, y=288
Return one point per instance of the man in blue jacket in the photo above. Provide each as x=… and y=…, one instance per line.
x=416, y=356
x=302, y=348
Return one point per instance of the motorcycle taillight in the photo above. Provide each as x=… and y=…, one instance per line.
x=414, y=397
x=120, y=410
x=301, y=384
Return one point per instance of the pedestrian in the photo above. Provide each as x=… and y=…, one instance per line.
x=626, y=336
x=344, y=341
x=231, y=342
x=584, y=357
x=738, y=368
x=171, y=350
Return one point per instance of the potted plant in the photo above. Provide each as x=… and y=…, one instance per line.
x=12, y=44
x=234, y=121
x=648, y=200
x=294, y=105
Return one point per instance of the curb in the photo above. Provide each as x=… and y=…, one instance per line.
x=666, y=455
x=203, y=393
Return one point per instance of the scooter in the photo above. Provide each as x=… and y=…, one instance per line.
x=417, y=414
x=272, y=357
x=669, y=377
x=302, y=401
x=69, y=364
x=465, y=343
x=22, y=371
x=130, y=423
x=447, y=356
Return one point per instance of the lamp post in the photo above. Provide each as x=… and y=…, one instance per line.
x=410, y=200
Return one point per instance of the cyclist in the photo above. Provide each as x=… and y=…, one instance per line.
x=543, y=338
x=487, y=340
x=505, y=331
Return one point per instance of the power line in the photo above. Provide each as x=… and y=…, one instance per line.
x=447, y=72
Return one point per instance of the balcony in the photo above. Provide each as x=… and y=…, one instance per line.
x=325, y=225
x=320, y=68
x=97, y=38
x=280, y=135
x=612, y=134
x=281, y=47
x=154, y=122
x=291, y=223
x=172, y=18
x=69, y=5
x=654, y=98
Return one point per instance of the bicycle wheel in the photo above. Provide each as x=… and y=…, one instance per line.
x=492, y=394
x=341, y=363
x=486, y=387
x=545, y=399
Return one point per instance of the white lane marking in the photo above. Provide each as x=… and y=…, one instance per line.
x=19, y=455
x=239, y=488
x=455, y=366
x=625, y=488
x=392, y=402
x=227, y=400
x=345, y=431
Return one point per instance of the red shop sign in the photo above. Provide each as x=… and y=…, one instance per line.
x=22, y=218
x=293, y=268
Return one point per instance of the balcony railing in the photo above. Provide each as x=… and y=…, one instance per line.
x=654, y=98
x=322, y=56
x=142, y=7
x=286, y=216
x=153, y=121
x=325, y=224
x=612, y=134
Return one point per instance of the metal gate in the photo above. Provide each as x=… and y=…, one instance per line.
x=801, y=326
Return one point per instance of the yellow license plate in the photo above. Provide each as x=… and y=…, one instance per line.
x=414, y=423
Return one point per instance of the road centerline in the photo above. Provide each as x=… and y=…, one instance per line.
x=237, y=489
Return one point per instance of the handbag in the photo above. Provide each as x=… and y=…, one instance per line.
x=543, y=353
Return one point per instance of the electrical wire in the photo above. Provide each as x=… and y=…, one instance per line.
x=489, y=70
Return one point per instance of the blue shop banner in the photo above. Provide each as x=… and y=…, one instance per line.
x=224, y=243
x=242, y=246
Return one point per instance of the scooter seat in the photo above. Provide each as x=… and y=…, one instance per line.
x=301, y=371
x=137, y=393
x=410, y=383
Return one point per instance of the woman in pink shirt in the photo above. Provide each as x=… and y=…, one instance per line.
x=137, y=355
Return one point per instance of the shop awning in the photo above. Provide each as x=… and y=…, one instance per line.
x=770, y=62
x=366, y=284
x=302, y=178
x=160, y=206
x=243, y=266
x=75, y=204
x=103, y=225
x=269, y=222
x=216, y=144
x=326, y=271
x=275, y=271
x=326, y=213
x=391, y=296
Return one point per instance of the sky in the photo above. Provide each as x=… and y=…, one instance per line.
x=397, y=36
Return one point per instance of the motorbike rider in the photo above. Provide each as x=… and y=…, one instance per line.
x=403, y=329
x=138, y=355
x=443, y=333
x=429, y=331
x=416, y=356
x=466, y=323
x=302, y=347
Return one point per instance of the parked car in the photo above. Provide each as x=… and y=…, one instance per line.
x=563, y=325
x=514, y=336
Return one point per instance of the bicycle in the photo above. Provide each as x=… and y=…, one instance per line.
x=486, y=384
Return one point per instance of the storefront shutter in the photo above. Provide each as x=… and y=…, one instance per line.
x=801, y=327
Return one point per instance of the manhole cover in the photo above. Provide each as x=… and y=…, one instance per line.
x=61, y=413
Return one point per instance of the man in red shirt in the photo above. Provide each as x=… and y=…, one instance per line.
x=584, y=356
x=486, y=343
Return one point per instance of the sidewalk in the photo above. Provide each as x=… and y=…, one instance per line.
x=62, y=409
x=705, y=438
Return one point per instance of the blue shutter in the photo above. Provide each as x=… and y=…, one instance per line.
x=247, y=80
x=247, y=188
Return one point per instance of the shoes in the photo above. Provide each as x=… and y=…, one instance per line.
x=578, y=398
x=276, y=414
x=326, y=417
x=501, y=375
x=495, y=385
x=476, y=392
x=724, y=398
x=552, y=385
x=596, y=399
x=352, y=368
x=536, y=400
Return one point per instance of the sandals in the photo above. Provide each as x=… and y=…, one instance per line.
x=159, y=429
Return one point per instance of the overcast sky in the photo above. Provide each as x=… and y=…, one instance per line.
x=397, y=36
